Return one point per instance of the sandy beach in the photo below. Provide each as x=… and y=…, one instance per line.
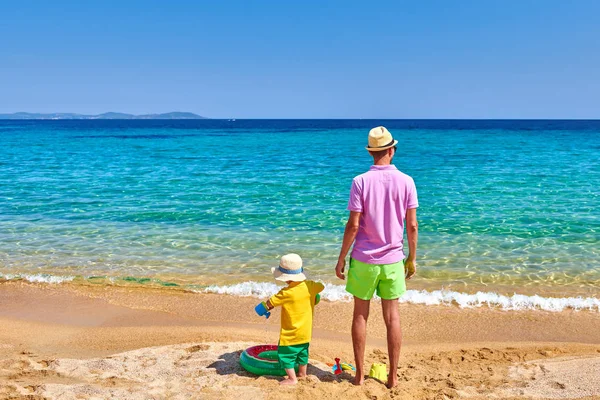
x=72, y=342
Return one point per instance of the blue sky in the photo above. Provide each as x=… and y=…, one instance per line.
x=303, y=59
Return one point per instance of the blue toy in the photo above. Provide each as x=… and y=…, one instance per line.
x=262, y=311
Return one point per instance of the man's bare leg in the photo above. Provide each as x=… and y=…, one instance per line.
x=391, y=316
x=359, y=337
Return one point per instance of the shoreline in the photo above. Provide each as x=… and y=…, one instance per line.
x=447, y=351
x=528, y=287
x=502, y=297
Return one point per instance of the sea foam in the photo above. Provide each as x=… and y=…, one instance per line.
x=338, y=293
x=37, y=278
x=436, y=297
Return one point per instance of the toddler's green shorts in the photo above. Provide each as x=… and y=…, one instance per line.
x=385, y=279
x=289, y=356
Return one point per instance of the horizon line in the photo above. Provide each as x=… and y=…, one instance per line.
x=298, y=119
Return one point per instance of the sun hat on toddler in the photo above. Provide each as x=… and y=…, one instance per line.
x=290, y=269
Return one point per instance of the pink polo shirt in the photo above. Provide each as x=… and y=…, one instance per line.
x=382, y=195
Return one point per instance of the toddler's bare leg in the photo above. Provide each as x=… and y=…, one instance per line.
x=302, y=371
x=291, y=379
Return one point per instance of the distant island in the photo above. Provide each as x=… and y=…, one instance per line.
x=108, y=115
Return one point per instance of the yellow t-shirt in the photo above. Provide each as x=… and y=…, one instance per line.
x=297, y=301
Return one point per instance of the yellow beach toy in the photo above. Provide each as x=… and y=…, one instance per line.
x=378, y=371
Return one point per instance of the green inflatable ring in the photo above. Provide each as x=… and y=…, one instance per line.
x=262, y=360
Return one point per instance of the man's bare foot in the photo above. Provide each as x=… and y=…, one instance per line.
x=300, y=375
x=391, y=382
x=288, y=382
x=359, y=380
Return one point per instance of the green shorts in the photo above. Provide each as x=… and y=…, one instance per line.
x=387, y=279
x=289, y=356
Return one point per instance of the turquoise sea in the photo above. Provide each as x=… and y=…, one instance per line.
x=505, y=206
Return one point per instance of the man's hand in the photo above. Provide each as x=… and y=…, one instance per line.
x=339, y=269
x=410, y=268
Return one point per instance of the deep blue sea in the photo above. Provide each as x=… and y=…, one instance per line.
x=505, y=206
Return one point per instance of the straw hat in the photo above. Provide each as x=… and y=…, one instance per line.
x=380, y=139
x=290, y=269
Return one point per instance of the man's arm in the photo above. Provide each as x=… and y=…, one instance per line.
x=412, y=233
x=349, y=236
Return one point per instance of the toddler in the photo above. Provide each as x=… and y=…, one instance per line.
x=297, y=301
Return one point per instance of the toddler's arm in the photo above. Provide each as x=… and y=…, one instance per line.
x=319, y=287
x=316, y=288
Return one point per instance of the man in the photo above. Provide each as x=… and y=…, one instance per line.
x=380, y=201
